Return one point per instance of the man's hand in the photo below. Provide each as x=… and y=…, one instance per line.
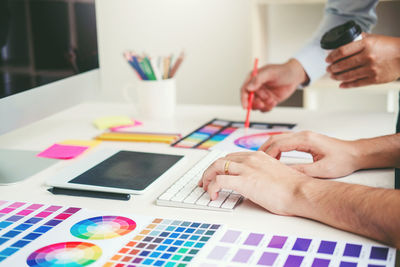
x=332, y=157
x=273, y=84
x=373, y=60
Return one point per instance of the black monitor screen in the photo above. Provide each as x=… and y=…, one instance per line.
x=42, y=41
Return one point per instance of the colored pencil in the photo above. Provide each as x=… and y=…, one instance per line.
x=178, y=62
x=251, y=95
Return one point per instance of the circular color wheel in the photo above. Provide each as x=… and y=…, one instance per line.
x=66, y=254
x=254, y=141
x=103, y=227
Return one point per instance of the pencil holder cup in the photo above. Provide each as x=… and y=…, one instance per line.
x=155, y=99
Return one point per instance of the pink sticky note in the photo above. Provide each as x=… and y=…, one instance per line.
x=117, y=128
x=57, y=151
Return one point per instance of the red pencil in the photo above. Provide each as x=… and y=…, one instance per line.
x=251, y=95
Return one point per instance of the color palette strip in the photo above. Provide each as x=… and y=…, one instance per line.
x=7, y=210
x=259, y=249
x=165, y=243
x=69, y=254
x=103, y=227
x=15, y=235
x=217, y=130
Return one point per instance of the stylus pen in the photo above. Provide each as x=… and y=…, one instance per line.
x=87, y=193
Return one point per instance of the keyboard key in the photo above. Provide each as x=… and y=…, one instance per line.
x=218, y=202
x=203, y=200
x=230, y=203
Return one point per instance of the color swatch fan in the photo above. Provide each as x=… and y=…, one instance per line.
x=69, y=254
x=103, y=227
x=251, y=139
x=254, y=141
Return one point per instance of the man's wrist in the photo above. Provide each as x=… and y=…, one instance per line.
x=299, y=74
x=302, y=189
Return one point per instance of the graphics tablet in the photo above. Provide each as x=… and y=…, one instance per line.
x=117, y=171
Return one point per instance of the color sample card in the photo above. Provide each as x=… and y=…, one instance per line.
x=23, y=223
x=244, y=248
x=52, y=235
x=165, y=243
x=217, y=130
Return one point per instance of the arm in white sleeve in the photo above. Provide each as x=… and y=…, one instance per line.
x=312, y=56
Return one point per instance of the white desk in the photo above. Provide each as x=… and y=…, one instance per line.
x=75, y=123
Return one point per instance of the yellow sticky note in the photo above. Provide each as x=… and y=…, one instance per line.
x=89, y=143
x=112, y=121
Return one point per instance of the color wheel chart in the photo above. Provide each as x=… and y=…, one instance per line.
x=69, y=254
x=103, y=227
x=243, y=248
x=254, y=141
x=216, y=130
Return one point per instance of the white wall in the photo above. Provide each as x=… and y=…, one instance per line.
x=289, y=27
x=215, y=35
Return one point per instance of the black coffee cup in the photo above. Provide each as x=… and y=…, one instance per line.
x=341, y=35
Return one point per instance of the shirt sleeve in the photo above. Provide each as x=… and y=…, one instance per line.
x=312, y=56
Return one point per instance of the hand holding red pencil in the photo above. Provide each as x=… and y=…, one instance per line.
x=274, y=83
x=251, y=95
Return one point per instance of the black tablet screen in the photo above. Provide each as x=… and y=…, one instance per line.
x=127, y=170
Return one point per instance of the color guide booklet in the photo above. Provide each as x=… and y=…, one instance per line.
x=216, y=130
x=53, y=235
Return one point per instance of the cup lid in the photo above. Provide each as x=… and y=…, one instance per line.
x=340, y=35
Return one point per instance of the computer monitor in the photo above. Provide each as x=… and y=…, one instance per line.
x=48, y=62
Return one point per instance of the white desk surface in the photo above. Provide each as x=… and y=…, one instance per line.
x=76, y=123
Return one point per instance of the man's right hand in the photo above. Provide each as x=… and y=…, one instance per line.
x=273, y=84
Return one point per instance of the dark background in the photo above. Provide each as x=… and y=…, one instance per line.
x=42, y=41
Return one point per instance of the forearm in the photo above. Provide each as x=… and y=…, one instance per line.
x=379, y=152
x=371, y=212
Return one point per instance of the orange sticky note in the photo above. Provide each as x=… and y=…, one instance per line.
x=57, y=151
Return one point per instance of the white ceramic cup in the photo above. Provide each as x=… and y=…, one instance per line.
x=154, y=99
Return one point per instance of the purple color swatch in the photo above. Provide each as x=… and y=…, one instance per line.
x=267, y=259
x=301, y=244
x=243, y=255
x=320, y=262
x=53, y=208
x=277, y=241
x=230, y=236
x=347, y=264
x=327, y=247
x=379, y=253
x=352, y=250
x=293, y=261
x=253, y=239
x=218, y=253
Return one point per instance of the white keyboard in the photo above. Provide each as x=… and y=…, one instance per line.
x=185, y=193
